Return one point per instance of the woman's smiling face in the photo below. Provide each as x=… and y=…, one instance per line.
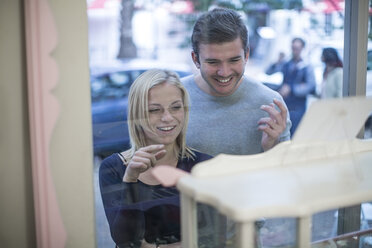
x=166, y=114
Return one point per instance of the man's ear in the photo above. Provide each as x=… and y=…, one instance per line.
x=247, y=54
x=195, y=59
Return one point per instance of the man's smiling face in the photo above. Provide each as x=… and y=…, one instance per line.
x=221, y=67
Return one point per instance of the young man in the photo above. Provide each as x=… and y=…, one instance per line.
x=298, y=82
x=228, y=113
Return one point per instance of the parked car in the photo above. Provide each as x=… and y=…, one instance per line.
x=110, y=83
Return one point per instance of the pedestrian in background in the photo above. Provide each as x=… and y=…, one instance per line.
x=298, y=83
x=277, y=65
x=332, y=75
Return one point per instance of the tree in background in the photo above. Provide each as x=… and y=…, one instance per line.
x=127, y=48
x=202, y=5
x=255, y=10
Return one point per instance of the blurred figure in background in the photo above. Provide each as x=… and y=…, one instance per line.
x=277, y=65
x=298, y=82
x=332, y=75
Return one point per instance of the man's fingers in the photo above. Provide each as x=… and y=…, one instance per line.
x=283, y=109
x=269, y=131
x=279, y=117
x=267, y=121
x=270, y=110
x=269, y=127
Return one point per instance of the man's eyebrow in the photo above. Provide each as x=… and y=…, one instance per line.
x=217, y=60
x=211, y=60
x=236, y=57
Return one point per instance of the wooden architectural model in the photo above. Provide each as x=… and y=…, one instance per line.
x=323, y=167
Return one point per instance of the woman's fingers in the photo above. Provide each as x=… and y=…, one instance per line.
x=142, y=160
x=149, y=155
x=152, y=148
x=160, y=154
x=139, y=167
x=153, y=152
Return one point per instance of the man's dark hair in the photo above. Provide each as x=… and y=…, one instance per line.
x=217, y=26
x=303, y=43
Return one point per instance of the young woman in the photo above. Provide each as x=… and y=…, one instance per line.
x=141, y=212
x=332, y=75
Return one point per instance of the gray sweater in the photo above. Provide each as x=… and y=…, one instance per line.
x=228, y=124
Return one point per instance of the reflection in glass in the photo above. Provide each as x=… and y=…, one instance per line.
x=361, y=238
x=368, y=125
x=109, y=89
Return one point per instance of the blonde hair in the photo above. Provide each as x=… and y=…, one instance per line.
x=138, y=111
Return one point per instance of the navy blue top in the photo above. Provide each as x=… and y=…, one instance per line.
x=137, y=211
x=300, y=77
